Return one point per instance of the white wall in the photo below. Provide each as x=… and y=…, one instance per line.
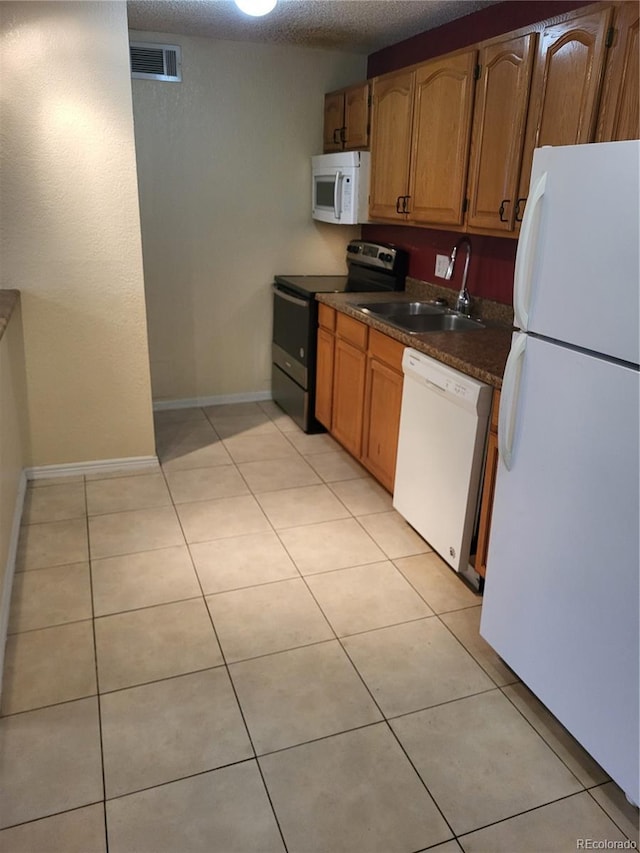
x=224, y=175
x=14, y=451
x=70, y=229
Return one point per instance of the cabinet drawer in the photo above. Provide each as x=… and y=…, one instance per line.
x=326, y=317
x=351, y=330
x=385, y=349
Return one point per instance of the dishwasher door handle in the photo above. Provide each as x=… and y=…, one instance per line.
x=435, y=386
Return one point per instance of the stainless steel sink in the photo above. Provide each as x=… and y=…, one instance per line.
x=435, y=323
x=419, y=317
x=402, y=309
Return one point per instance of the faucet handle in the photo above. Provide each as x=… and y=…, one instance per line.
x=463, y=304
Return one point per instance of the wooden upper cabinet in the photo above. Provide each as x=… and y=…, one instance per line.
x=392, y=111
x=499, y=121
x=333, y=121
x=420, y=136
x=356, y=117
x=443, y=106
x=346, y=119
x=566, y=85
x=618, y=118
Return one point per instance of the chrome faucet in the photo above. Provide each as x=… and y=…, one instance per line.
x=463, y=302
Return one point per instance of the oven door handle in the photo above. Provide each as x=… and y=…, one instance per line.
x=303, y=303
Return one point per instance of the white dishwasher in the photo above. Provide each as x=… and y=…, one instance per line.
x=443, y=428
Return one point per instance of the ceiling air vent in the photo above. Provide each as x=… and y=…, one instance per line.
x=156, y=61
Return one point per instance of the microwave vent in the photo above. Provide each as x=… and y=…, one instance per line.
x=150, y=61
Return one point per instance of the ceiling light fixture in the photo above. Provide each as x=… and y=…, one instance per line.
x=256, y=8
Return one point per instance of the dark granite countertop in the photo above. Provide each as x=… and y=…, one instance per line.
x=480, y=353
x=8, y=301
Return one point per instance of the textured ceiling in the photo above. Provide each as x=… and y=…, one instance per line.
x=359, y=26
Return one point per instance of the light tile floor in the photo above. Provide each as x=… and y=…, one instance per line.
x=247, y=650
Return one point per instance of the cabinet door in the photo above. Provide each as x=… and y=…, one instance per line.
x=618, y=118
x=348, y=396
x=390, y=144
x=333, y=121
x=566, y=86
x=356, y=117
x=499, y=120
x=381, y=421
x=440, y=139
x=324, y=377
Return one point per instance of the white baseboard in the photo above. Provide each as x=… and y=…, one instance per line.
x=216, y=400
x=10, y=569
x=97, y=466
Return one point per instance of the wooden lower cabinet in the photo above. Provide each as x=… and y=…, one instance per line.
x=348, y=395
x=359, y=391
x=488, y=489
x=324, y=376
x=383, y=400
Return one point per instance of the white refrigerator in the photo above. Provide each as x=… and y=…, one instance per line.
x=561, y=601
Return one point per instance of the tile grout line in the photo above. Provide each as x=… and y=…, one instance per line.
x=611, y=818
x=339, y=640
x=523, y=715
x=530, y=811
x=95, y=656
x=226, y=666
x=384, y=720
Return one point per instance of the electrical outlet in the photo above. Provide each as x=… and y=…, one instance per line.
x=442, y=265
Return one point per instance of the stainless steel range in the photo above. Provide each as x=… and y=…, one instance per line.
x=372, y=267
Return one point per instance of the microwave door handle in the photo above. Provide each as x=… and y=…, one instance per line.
x=337, y=195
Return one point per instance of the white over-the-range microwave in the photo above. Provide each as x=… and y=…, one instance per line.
x=340, y=187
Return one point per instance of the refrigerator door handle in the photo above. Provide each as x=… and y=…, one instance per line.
x=525, y=256
x=509, y=399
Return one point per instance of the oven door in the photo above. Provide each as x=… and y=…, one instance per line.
x=292, y=325
x=294, y=319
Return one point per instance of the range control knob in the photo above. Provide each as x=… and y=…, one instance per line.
x=385, y=256
x=354, y=248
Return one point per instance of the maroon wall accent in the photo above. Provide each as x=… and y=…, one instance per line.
x=485, y=24
x=492, y=258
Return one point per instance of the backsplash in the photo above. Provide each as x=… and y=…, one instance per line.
x=486, y=309
x=492, y=258
x=476, y=27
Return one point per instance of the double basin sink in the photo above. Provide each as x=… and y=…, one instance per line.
x=415, y=318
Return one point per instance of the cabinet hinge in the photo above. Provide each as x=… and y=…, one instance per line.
x=477, y=71
x=609, y=39
x=465, y=205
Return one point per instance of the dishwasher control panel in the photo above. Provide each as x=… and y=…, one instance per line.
x=444, y=379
